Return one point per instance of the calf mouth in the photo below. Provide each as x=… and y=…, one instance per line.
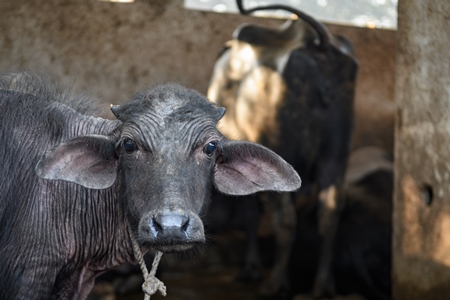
x=173, y=248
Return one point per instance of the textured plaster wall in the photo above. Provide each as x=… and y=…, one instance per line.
x=112, y=50
x=422, y=196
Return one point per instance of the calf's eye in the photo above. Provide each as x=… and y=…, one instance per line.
x=129, y=145
x=210, y=148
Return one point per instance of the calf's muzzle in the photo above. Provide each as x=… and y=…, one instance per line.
x=170, y=231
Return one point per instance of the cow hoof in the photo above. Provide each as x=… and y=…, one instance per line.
x=310, y=297
x=274, y=290
x=249, y=275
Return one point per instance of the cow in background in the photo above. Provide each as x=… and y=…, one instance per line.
x=291, y=89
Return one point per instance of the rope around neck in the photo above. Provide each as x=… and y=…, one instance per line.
x=151, y=283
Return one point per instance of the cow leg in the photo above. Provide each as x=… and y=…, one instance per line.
x=284, y=223
x=367, y=281
x=251, y=271
x=330, y=205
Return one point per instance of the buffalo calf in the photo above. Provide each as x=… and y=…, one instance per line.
x=73, y=184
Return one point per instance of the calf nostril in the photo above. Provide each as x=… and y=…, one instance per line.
x=155, y=224
x=185, y=225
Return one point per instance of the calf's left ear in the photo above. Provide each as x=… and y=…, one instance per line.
x=244, y=168
x=88, y=160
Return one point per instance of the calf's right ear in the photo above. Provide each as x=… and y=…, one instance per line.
x=244, y=168
x=88, y=160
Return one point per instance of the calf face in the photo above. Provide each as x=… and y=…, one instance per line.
x=163, y=160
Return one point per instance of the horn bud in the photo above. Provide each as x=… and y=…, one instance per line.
x=115, y=110
x=219, y=113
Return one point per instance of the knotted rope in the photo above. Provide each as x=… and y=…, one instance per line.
x=151, y=283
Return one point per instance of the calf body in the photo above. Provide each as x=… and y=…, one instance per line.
x=72, y=184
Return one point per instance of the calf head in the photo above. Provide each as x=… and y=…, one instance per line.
x=163, y=161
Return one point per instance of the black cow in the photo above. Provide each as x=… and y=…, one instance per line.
x=291, y=89
x=72, y=184
x=363, y=245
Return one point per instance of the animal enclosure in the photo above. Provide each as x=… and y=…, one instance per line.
x=112, y=50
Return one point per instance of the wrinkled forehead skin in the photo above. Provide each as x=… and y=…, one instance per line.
x=169, y=111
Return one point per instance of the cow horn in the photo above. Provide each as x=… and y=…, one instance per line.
x=219, y=113
x=322, y=31
x=115, y=110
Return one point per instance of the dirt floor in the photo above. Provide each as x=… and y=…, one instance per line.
x=205, y=284
x=208, y=284
x=209, y=275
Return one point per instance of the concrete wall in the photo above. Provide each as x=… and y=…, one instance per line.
x=422, y=196
x=112, y=50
